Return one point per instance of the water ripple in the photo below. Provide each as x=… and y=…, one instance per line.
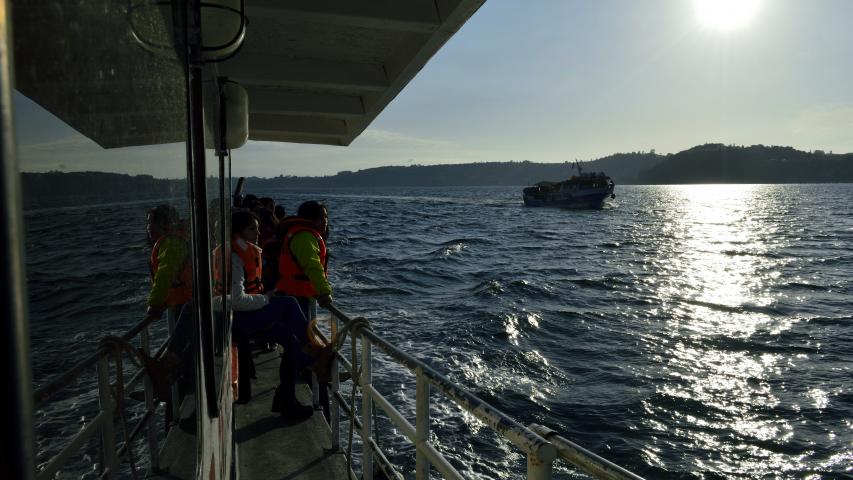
x=689, y=332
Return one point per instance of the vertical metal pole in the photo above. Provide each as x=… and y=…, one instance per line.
x=334, y=407
x=421, y=426
x=17, y=432
x=224, y=327
x=366, y=410
x=224, y=219
x=199, y=216
x=108, y=448
x=153, y=451
x=538, y=469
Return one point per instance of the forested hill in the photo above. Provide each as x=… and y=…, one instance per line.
x=709, y=163
x=51, y=189
x=622, y=167
x=716, y=163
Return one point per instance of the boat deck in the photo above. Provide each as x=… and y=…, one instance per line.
x=269, y=447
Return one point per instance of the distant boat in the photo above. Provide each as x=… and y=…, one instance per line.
x=584, y=190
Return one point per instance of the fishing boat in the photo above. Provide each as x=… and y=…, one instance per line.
x=210, y=76
x=584, y=190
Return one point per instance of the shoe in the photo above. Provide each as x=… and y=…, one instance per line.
x=297, y=411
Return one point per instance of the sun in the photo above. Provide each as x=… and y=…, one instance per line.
x=726, y=14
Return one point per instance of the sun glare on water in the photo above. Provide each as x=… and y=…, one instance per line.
x=726, y=14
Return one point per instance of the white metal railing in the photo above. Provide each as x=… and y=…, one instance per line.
x=584, y=459
x=104, y=423
x=541, y=445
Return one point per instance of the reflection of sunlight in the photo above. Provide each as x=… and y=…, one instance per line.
x=511, y=328
x=730, y=381
x=717, y=266
x=717, y=278
x=819, y=397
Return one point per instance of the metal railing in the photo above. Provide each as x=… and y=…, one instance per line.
x=541, y=445
x=104, y=423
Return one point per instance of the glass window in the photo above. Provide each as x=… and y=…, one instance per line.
x=100, y=114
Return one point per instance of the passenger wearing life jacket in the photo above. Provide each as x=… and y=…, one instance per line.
x=171, y=289
x=304, y=259
x=302, y=266
x=266, y=317
x=170, y=266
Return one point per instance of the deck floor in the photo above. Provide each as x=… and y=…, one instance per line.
x=271, y=448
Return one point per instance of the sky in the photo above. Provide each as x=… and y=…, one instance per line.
x=557, y=80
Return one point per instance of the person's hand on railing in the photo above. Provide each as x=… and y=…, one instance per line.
x=155, y=313
x=324, y=300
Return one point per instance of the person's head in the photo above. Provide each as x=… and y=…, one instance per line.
x=268, y=223
x=279, y=212
x=268, y=203
x=315, y=212
x=159, y=219
x=253, y=205
x=244, y=225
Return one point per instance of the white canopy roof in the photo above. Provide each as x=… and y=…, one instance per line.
x=317, y=71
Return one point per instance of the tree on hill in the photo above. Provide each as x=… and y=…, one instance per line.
x=717, y=163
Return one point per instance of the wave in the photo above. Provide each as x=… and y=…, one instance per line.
x=744, y=308
x=378, y=290
x=750, y=253
x=559, y=317
x=756, y=345
x=802, y=286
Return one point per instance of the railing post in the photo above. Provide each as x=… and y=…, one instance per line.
x=334, y=407
x=366, y=410
x=315, y=391
x=538, y=469
x=421, y=426
x=172, y=319
x=153, y=451
x=315, y=384
x=108, y=448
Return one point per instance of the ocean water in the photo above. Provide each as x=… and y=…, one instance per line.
x=682, y=332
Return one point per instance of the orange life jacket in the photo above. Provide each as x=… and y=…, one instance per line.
x=252, y=267
x=181, y=291
x=292, y=280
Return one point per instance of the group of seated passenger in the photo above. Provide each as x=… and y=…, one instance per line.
x=277, y=271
